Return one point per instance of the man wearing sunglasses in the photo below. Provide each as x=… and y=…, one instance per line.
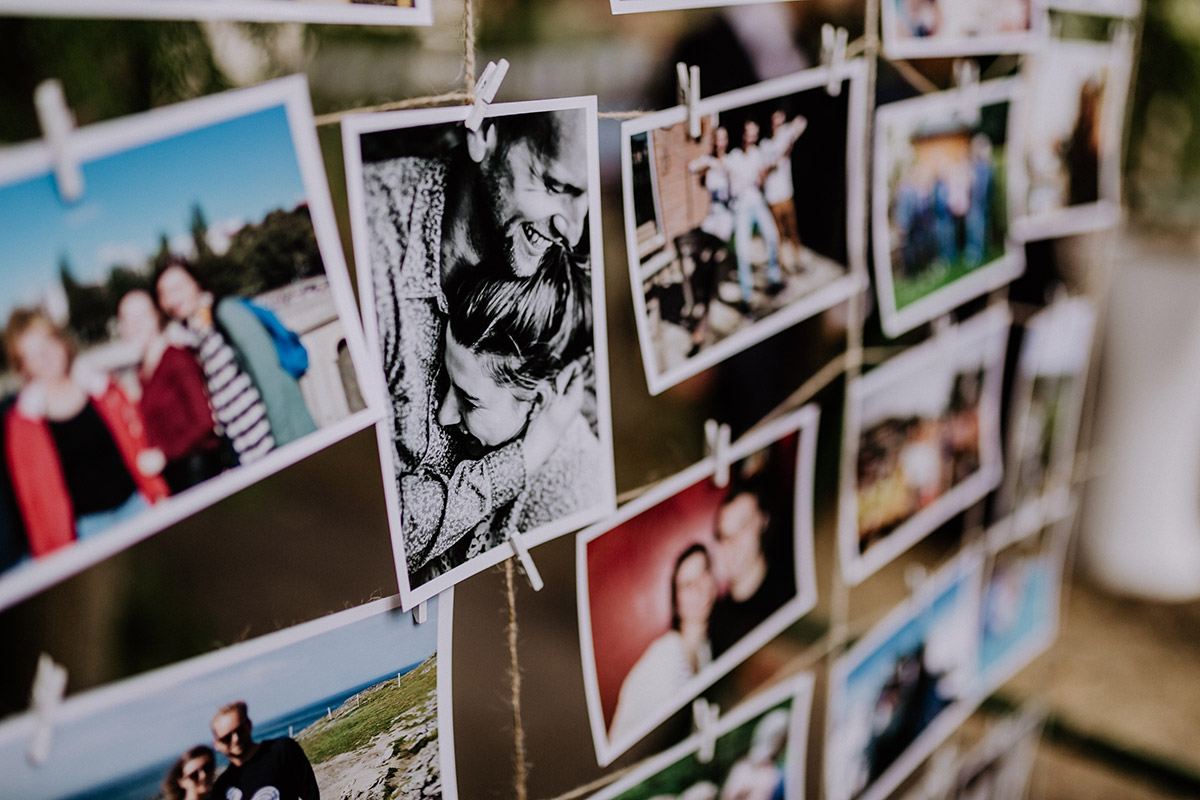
x=275, y=768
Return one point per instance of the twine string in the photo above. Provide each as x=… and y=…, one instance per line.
x=520, y=765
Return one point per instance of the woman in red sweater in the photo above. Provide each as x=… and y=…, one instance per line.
x=174, y=404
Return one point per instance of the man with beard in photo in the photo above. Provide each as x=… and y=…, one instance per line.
x=497, y=200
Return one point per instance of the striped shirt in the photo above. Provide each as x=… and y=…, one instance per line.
x=236, y=402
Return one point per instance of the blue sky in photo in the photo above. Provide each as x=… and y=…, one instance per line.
x=236, y=171
x=161, y=723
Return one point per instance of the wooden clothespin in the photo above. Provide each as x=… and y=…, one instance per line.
x=716, y=443
x=526, y=560
x=966, y=78
x=421, y=613
x=705, y=716
x=485, y=92
x=57, y=123
x=915, y=576
x=689, y=95
x=49, y=686
x=833, y=55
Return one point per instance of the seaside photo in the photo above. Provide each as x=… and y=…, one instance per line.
x=350, y=12
x=1069, y=178
x=758, y=752
x=182, y=330
x=355, y=704
x=479, y=267
x=903, y=687
x=751, y=227
x=691, y=578
x=929, y=28
x=922, y=441
x=940, y=202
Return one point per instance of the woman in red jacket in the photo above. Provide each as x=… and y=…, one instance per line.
x=174, y=404
x=77, y=454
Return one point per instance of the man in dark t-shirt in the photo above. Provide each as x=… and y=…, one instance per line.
x=758, y=587
x=275, y=769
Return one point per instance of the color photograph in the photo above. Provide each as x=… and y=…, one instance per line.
x=758, y=753
x=1069, y=180
x=940, y=212
x=182, y=330
x=901, y=689
x=929, y=28
x=691, y=578
x=751, y=227
x=922, y=441
x=480, y=272
x=350, y=12
x=348, y=706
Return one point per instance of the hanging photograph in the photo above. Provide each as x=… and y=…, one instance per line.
x=940, y=208
x=1071, y=120
x=183, y=329
x=1020, y=606
x=1047, y=400
x=482, y=283
x=350, y=12
x=749, y=228
x=932, y=28
x=356, y=704
x=904, y=686
x=922, y=441
x=758, y=752
x=691, y=578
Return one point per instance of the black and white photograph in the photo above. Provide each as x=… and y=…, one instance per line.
x=355, y=704
x=182, y=329
x=758, y=754
x=481, y=278
x=1071, y=121
x=904, y=686
x=1047, y=401
x=922, y=441
x=693, y=577
x=940, y=208
x=935, y=28
x=750, y=228
x=349, y=12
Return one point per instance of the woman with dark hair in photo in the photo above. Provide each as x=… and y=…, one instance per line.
x=75, y=444
x=676, y=656
x=191, y=776
x=174, y=403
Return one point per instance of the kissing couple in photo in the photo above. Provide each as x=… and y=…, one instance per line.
x=482, y=283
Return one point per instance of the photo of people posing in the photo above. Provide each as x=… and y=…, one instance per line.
x=902, y=688
x=691, y=578
x=1069, y=179
x=349, y=705
x=729, y=237
x=923, y=441
x=353, y=12
x=758, y=754
x=940, y=215
x=925, y=28
x=483, y=297
x=175, y=333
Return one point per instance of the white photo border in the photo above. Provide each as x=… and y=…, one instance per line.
x=642, y=6
x=984, y=278
x=1107, y=211
x=353, y=128
x=1122, y=9
x=20, y=729
x=967, y=568
x=798, y=689
x=129, y=133
x=987, y=330
x=855, y=280
x=804, y=423
x=895, y=46
x=346, y=13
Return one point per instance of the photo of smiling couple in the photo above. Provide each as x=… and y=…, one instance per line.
x=481, y=284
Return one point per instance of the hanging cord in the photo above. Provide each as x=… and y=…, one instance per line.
x=520, y=766
x=469, y=48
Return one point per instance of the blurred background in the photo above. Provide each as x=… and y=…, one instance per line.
x=1124, y=708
